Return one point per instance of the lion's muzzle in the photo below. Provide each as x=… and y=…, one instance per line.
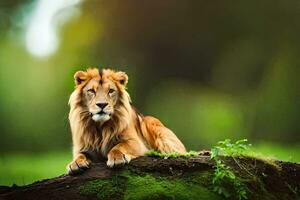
x=101, y=117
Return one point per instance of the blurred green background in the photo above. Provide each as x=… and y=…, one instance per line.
x=209, y=70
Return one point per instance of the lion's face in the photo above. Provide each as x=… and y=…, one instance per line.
x=100, y=99
x=100, y=92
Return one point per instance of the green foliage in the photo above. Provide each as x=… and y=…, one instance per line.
x=224, y=175
x=226, y=148
x=154, y=153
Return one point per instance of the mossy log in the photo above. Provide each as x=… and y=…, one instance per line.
x=172, y=178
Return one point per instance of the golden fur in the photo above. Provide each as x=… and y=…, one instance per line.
x=102, y=120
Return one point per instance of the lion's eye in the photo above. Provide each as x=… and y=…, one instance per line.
x=111, y=91
x=91, y=91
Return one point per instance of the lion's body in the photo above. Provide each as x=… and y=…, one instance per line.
x=121, y=135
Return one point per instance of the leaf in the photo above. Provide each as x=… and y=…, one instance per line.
x=241, y=141
x=214, y=153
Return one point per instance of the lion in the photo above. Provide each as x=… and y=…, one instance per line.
x=102, y=120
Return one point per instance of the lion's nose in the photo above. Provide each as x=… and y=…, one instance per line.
x=102, y=105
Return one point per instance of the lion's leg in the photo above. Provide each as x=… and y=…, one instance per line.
x=79, y=164
x=126, y=151
x=160, y=137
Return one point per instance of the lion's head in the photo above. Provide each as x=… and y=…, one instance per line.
x=102, y=92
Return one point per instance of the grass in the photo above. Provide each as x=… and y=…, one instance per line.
x=21, y=169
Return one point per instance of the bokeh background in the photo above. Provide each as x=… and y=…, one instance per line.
x=210, y=70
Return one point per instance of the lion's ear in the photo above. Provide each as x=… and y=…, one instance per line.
x=79, y=77
x=122, y=78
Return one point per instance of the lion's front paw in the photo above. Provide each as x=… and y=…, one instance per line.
x=116, y=157
x=78, y=165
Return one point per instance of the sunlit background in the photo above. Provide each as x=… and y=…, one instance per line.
x=209, y=70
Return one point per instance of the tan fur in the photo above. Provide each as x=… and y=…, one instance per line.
x=122, y=137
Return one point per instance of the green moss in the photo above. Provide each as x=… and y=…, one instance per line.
x=153, y=153
x=104, y=188
x=130, y=186
x=149, y=188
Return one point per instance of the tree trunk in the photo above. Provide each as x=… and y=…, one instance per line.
x=171, y=178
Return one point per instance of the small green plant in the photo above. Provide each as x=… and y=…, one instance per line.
x=224, y=175
x=226, y=148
